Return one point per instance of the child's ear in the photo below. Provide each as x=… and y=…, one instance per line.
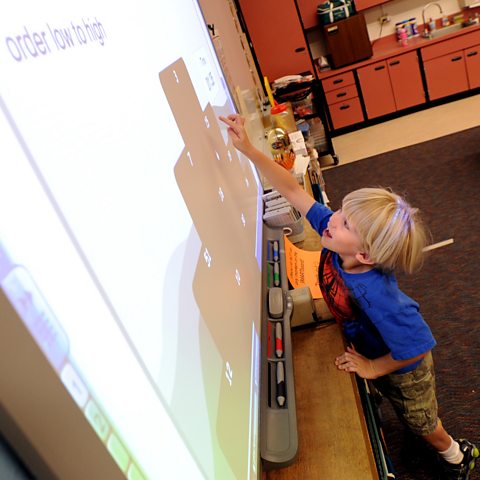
x=364, y=257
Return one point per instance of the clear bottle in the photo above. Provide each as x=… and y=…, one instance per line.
x=280, y=147
x=278, y=141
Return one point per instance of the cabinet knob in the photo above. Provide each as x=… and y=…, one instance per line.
x=341, y=94
x=299, y=49
x=338, y=80
x=395, y=62
x=344, y=107
x=380, y=67
x=472, y=54
x=456, y=59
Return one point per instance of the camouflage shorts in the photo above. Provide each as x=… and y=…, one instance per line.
x=412, y=395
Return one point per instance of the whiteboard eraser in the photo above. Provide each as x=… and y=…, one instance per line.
x=275, y=302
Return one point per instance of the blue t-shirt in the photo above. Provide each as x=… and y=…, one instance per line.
x=375, y=315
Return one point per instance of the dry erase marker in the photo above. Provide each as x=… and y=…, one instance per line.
x=269, y=342
x=278, y=339
x=269, y=275
x=280, y=384
x=275, y=251
x=276, y=274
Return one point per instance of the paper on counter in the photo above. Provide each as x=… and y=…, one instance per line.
x=301, y=164
x=302, y=267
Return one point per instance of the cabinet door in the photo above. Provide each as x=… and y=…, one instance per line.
x=472, y=61
x=308, y=12
x=376, y=89
x=277, y=37
x=406, y=80
x=364, y=4
x=446, y=75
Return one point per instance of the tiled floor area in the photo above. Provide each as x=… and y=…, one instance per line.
x=408, y=130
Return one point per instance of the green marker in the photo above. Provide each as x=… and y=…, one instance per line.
x=276, y=274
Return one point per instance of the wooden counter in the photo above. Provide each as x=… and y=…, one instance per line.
x=333, y=441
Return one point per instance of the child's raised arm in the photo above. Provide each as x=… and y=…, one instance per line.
x=280, y=178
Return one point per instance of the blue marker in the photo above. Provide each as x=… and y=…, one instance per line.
x=275, y=251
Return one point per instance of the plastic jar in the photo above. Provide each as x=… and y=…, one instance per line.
x=282, y=117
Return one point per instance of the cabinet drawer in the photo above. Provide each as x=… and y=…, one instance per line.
x=450, y=46
x=338, y=81
x=346, y=113
x=342, y=94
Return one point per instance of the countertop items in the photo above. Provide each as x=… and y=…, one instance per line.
x=387, y=47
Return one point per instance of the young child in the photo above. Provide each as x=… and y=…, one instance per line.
x=374, y=232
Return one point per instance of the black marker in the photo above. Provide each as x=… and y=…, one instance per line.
x=280, y=384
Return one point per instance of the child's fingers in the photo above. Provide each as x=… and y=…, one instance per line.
x=233, y=120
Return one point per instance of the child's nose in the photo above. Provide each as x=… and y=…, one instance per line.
x=333, y=219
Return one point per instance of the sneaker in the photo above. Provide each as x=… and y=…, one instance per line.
x=460, y=471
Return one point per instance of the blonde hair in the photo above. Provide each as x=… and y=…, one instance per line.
x=390, y=230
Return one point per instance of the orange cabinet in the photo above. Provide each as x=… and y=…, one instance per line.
x=308, y=12
x=376, y=89
x=448, y=69
x=364, y=4
x=406, y=80
x=391, y=85
x=277, y=37
x=342, y=99
x=472, y=62
x=446, y=75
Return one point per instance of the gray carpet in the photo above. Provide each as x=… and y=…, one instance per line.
x=442, y=178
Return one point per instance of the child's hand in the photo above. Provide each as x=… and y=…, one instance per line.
x=352, y=361
x=236, y=130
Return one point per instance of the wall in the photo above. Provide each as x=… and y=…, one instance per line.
x=239, y=67
x=398, y=10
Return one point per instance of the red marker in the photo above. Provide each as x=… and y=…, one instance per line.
x=278, y=340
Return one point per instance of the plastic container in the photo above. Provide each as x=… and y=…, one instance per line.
x=403, y=37
x=398, y=28
x=413, y=23
x=282, y=117
x=409, y=28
